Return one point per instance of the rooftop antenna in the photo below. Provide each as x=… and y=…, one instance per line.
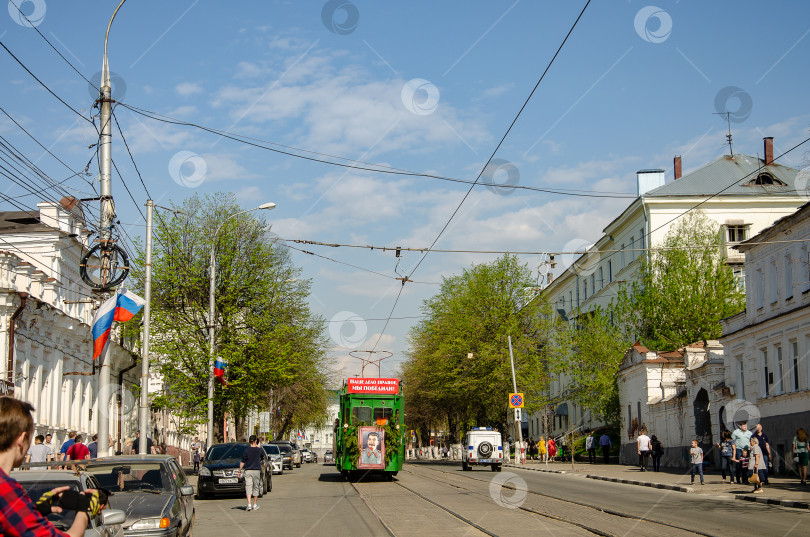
x=728, y=136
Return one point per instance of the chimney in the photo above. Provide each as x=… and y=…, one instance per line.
x=768, y=149
x=677, y=162
x=649, y=180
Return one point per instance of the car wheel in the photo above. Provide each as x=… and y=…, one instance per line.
x=298, y=465
x=464, y=466
x=202, y=495
x=269, y=484
x=496, y=467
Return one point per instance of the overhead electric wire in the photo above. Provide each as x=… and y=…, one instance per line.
x=34, y=26
x=489, y=160
x=42, y=146
x=353, y=266
x=372, y=167
x=519, y=252
x=706, y=199
x=41, y=83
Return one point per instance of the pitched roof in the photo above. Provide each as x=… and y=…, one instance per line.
x=730, y=176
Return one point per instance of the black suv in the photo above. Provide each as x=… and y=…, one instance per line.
x=290, y=448
x=220, y=472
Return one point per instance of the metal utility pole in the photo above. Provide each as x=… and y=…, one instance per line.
x=105, y=231
x=211, y=324
x=514, y=387
x=143, y=426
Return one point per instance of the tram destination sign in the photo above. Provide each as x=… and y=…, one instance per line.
x=373, y=386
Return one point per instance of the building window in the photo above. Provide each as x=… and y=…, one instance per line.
x=622, y=257
x=737, y=233
x=593, y=284
x=601, y=278
x=760, y=288
x=630, y=420
x=788, y=277
x=780, y=371
x=641, y=244
x=739, y=274
x=585, y=289
x=794, y=364
x=638, y=406
x=773, y=279
x=610, y=271
x=571, y=299
x=765, y=384
x=740, y=378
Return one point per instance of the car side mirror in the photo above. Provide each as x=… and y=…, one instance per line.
x=188, y=490
x=110, y=517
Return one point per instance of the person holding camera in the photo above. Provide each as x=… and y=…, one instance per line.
x=19, y=515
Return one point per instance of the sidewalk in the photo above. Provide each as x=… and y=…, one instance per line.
x=784, y=491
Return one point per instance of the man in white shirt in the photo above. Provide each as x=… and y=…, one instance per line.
x=644, y=449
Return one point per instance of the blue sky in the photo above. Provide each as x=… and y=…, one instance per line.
x=422, y=86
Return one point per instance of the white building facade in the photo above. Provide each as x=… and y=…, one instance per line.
x=741, y=193
x=45, y=315
x=768, y=345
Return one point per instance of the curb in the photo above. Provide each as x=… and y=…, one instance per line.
x=770, y=501
x=676, y=488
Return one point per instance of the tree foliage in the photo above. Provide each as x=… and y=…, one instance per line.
x=588, y=354
x=685, y=288
x=265, y=332
x=474, y=312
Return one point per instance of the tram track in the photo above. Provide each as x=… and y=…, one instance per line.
x=570, y=515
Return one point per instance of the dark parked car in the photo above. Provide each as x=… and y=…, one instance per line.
x=297, y=458
x=219, y=474
x=328, y=457
x=40, y=480
x=153, y=492
x=287, y=454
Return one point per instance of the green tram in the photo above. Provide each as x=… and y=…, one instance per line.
x=370, y=428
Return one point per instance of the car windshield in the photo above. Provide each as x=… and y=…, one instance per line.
x=35, y=489
x=131, y=477
x=285, y=448
x=225, y=451
x=271, y=449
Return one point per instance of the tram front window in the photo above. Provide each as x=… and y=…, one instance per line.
x=361, y=413
x=382, y=415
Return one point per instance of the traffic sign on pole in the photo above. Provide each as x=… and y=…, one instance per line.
x=515, y=400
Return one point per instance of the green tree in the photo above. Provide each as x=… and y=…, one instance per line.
x=473, y=314
x=265, y=331
x=589, y=353
x=685, y=288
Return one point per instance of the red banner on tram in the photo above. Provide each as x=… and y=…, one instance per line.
x=373, y=386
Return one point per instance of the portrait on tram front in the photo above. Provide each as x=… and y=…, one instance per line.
x=372, y=451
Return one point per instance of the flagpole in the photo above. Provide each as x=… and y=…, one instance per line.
x=104, y=399
x=144, y=413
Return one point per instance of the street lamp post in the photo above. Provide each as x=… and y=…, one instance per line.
x=212, y=318
x=105, y=226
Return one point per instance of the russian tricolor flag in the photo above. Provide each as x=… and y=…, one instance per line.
x=219, y=371
x=121, y=307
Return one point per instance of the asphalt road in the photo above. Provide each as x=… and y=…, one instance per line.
x=426, y=499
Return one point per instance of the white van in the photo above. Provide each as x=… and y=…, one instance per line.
x=482, y=447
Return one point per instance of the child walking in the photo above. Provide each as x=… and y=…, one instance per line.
x=696, y=455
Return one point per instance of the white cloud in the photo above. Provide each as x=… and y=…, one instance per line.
x=342, y=111
x=188, y=88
